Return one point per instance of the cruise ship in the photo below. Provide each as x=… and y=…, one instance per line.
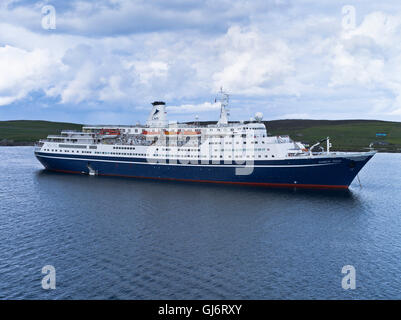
x=226, y=152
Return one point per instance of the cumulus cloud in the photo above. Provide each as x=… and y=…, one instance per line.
x=194, y=108
x=23, y=71
x=282, y=57
x=251, y=62
x=369, y=57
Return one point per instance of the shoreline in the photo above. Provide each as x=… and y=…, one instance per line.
x=17, y=144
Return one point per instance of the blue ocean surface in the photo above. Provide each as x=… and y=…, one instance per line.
x=121, y=238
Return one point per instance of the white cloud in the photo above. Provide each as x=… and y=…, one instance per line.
x=251, y=61
x=150, y=70
x=23, y=71
x=193, y=108
x=369, y=57
x=280, y=57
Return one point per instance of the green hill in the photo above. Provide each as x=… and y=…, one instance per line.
x=26, y=132
x=345, y=135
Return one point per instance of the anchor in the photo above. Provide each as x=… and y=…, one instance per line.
x=91, y=171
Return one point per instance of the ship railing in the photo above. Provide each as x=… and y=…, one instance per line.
x=56, y=137
x=38, y=145
x=284, y=139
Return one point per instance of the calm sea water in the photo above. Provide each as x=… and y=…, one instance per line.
x=116, y=238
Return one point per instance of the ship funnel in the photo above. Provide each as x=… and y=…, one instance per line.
x=158, y=103
x=157, y=117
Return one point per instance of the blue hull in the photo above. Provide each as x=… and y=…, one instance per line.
x=312, y=172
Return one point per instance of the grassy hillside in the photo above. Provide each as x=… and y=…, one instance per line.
x=26, y=132
x=345, y=134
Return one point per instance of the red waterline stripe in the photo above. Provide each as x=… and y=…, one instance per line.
x=260, y=184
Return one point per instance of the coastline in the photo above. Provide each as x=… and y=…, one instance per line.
x=12, y=143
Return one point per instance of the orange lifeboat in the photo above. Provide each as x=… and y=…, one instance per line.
x=109, y=133
x=171, y=133
x=191, y=133
x=150, y=133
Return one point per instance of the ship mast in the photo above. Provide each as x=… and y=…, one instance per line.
x=223, y=98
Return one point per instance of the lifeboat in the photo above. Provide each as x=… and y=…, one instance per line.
x=191, y=133
x=171, y=133
x=109, y=133
x=150, y=133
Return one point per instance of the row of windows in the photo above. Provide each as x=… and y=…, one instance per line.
x=72, y=151
x=97, y=152
x=228, y=150
x=210, y=130
x=179, y=150
x=157, y=155
x=244, y=149
x=122, y=153
x=124, y=148
x=212, y=156
x=72, y=146
x=243, y=128
x=244, y=142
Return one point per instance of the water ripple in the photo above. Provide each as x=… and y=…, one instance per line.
x=115, y=238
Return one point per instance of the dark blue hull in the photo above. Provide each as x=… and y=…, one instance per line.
x=315, y=172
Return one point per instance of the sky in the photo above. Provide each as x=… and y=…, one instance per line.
x=105, y=61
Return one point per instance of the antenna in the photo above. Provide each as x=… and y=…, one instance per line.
x=223, y=98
